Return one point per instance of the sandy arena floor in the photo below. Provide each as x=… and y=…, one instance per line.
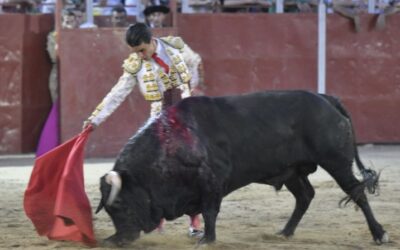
x=249, y=217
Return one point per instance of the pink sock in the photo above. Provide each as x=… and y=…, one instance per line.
x=195, y=221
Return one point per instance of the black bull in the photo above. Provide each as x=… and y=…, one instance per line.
x=201, y=149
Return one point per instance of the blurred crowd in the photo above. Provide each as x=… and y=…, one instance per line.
x=120, y=13
x=132, y=7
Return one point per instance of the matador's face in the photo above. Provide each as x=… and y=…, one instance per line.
x=145, y=50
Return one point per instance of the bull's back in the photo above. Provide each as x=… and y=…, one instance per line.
x=262, y=135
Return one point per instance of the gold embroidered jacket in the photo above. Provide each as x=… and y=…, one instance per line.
x=151, y=78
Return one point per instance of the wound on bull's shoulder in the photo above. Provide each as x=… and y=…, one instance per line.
x=172, y=131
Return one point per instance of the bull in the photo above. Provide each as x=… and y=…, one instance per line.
x=203, y=148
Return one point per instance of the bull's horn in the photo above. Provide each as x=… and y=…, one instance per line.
x=114, y=179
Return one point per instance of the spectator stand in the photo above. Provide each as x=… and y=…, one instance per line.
x=232, y=6
x=19, y=6
x=248, y=6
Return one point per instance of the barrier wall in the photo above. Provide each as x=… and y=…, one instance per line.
x=245, y=53
x=242, y=53
x=24, y=70
x=253, y=52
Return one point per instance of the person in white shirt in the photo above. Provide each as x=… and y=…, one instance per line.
x=164, y=68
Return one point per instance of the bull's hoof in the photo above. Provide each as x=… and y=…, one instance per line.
x=206, y=240
x=113, y=243
x=384, y=239
x=285, y=234
x=117, y=241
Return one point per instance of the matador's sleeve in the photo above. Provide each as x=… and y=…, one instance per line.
x=192, y=60
x=114, y=98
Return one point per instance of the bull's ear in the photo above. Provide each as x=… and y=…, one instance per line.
x=99, y=207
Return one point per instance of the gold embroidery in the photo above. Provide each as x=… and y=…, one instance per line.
x=183, y=72
x=152, y=96
x=165, y=80
x=148, y=67
x=149, y=77
x=176, y=60
x=151, y=86
x=174, y=41
x=180, y=68
x=173, y=77
x=96, y=111
x=132, y=64
x=185, y=77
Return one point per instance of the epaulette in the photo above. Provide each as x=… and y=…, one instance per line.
x=173, y=41
x=132, y=64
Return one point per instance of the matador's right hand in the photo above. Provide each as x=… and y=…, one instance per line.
x=88, y=124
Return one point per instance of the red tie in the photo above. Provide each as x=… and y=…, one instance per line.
x=160, y=62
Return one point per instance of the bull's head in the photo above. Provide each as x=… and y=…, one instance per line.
x=128, y=206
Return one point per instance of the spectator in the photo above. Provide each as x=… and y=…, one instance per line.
x=244, y=6
x=20, y=6
x=79, y=12
x=306, y=6
x=163, y=68
x=350, y=10
x=119, y=17
x=155, y=15
x=201, y=6
x=386, y=10
x=68, y=22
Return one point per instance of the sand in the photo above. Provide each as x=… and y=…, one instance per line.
x=249, y=217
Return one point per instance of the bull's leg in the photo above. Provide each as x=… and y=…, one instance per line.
x=302, y=190
x=211, y=203
x=211, y=191
x=210, y=217
x=351, y=186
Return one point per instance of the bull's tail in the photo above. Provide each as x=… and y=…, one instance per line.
x=370, y=176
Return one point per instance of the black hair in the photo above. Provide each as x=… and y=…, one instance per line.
x=137, y=34
x=119, y=9
x=68, y=12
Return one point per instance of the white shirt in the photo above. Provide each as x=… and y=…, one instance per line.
x=48, y=6
x=161, y=53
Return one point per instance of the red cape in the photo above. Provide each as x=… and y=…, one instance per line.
x=55, y=199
